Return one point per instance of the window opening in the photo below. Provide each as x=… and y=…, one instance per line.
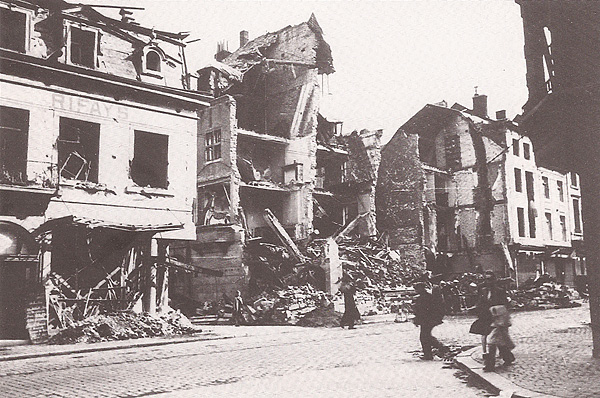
x=577, y=215
x=526, y=151
x=78, y=146
x=561, y=191
x=149, y=167
x=82, y=47
x=563, y=227
x=452, y=149
x=153, y=61
x=521, y=221
x=546, y=185
x=14, y=130
x=549, y=225
x=515, y=146
x=212, y=145
x=518, y=180
x=574, y=179
x=13, y=30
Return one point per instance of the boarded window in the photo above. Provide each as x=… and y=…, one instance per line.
x=518, y=181
x=452, y=150
x=521, y=221
x=82, y=47
x=150, y=164
x=78, y=146
x=13, y=25
x=212, y=145
x=14, y=127
x=153, y=61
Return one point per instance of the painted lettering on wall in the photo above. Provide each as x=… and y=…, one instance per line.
x=88, y=106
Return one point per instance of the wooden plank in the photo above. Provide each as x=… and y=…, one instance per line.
x=283, y=235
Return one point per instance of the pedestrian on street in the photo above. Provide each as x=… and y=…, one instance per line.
x=351, y=314
x=428, y=314
x=499, y=338
x=489, y=295
x=238, y=305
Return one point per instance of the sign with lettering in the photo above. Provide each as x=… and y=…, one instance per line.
x=88, y=106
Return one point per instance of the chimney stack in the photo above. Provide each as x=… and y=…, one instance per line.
x=243, y=38
x=222, y=51
x=480, y=105
x=501, y=115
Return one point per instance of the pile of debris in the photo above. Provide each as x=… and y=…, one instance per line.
x=548, y=295
x=123, y=326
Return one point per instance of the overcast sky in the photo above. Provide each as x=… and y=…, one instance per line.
x=391, y=57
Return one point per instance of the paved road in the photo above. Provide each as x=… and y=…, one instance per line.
x=373, y=360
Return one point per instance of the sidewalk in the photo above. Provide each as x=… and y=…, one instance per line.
x=11, y=350
x=554, y=358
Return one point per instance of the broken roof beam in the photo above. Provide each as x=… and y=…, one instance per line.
x=349, y=227
x=283, y=236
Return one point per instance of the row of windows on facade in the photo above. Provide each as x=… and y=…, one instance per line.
x=516, y=147
x=549, y=224
x=82, y=43
x=545, y=183
x=78, y=151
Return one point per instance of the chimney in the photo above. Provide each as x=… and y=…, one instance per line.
x=243, y=38
x=222, y=51
x=501, y=115
x=480, y=105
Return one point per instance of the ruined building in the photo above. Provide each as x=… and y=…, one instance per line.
x=98, y=165
x=468, y=189
x=264, y=144
x=562, y=54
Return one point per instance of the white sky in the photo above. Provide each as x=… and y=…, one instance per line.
x=391, y=57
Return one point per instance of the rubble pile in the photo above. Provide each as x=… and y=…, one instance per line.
x=122, y=326
x=374, y=267
x=548, y=295
x=286, y=306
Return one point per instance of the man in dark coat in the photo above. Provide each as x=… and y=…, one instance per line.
x=428, y=314
x=351, y=313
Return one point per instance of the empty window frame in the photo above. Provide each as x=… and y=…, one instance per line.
x=212, y=146
x=452, y=151
x=521, y=221
x=561, y=191
x=152, y=61
x=150, y=164
x=526, y=151
x=546, y=184
x=563, y=227
x=82, y=47
x=518, y=180
x=577, y=215
x=549, y=226
x=78, y=146
x=515, y=146
x=574, y=177
x=13, y=30
x=14, y=130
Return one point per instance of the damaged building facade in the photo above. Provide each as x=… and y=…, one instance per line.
x=468, y=190
x=264, y=146
x=98, y=133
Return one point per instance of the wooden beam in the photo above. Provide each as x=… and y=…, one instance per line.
x=283, y=235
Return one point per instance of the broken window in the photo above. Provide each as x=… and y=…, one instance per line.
x=78, y=146
x=546, y=184
x=212, y=145
x=13, y=30
x=149, y=167
x=526, y=151
x=518, y=180
x=153, y=61
x=82, y=48
x=577, y=215
x=14, y=128
x=515, y=146
x=561, y=191
x=549, y=225
x=452, y=149
x=521, y=221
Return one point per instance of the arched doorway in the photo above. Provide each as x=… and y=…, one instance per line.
x=18, y=269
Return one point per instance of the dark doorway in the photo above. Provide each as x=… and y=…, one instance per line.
x=13, y=298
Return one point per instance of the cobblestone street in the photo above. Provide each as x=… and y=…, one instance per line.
x=373, y=360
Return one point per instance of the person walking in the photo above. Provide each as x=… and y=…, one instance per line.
x=499, y=338
x=489, y=295
x=238, y=304
x=351, y=314
x=427, y=316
